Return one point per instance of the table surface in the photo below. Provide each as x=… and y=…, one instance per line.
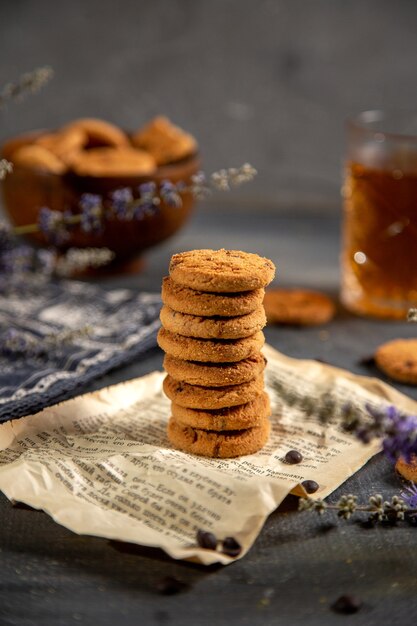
x=300, y=563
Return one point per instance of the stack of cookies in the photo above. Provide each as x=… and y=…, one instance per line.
x=212, y=322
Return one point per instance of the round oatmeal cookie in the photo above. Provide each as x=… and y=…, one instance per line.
x=223, y=445
x=215, y=374
x=112, y=162
x=166, y=142
x=229, y=418
x=63, y=143
x=210, y=350
x=98, y=132
x=198, y=397
x=407, y=470
x=300, y=307
x=221, y=270
x=193, y=302
x=212, y=327
x=38, y=157
x=398, y=360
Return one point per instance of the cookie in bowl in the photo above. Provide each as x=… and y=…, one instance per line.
x=57, y=168
x=166, y=142
x=121, y=161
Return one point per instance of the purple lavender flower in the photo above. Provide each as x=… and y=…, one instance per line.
x=199, y=179
x=121, y=201
x=147, y=203
x=397, y=430
x=400, y=434
x=147, y=189
x=140, y=211
x=16, y=260
x=169, y=194
x=409, y=495
x=199, y=186
x=91, y=213
x=53, y=225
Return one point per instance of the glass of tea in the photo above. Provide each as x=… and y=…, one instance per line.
x=379, y=249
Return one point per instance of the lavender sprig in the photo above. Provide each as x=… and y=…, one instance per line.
x=28, y=83
x=412, y=315
x=122, y=204
x=54, y=225
x=148, y=202
x=16, y=343
x=397, y=430
x=80, y=259
x=379, y=510
x=5, y=168
x=23, y=266
x=91, y=206
x=125, y=205
x=409, y=495
x=232, y=177
x=169, y=194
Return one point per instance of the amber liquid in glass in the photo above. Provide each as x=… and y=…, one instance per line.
x=380, y=241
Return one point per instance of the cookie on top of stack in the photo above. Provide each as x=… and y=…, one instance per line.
x=212, y=322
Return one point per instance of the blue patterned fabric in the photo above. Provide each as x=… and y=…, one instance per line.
x=123, y=325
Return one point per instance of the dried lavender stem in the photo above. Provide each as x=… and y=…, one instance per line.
x=363, y=508
x=25, y=230
x=34, y=228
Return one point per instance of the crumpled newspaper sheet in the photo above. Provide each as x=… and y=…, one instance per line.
x=100, y=464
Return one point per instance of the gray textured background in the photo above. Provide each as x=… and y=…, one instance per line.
x=264, y=81
x=269, y=82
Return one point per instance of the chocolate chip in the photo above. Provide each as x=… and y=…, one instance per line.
x=169, y=586
x=347, y=605
x=310, y=486
x=206, y=540
x=231, y=547
x=293, y=456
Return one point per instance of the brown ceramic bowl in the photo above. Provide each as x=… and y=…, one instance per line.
x=27, y=189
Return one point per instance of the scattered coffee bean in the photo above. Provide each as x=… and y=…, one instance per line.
x=293, y=456
x=367, y=360
x=169, y=586
x=206, y=540
x=347, y=605
x=231, y=547
x=310, y=486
